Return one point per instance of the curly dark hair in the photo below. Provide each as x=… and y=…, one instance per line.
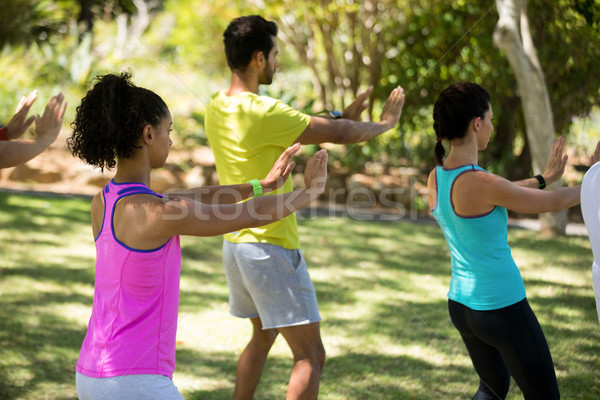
x=108, y=124
x=246, y=35
x=455, y=107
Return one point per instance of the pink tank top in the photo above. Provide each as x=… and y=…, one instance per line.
x=136, y=299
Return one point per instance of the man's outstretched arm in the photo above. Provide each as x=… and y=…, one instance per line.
x=348, y=129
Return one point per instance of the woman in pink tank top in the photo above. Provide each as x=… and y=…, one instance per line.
x=129, y=349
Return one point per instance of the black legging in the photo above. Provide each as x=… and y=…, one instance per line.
x=504, y=342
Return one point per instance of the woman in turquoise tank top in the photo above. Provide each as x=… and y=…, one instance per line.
x=129, y=348
x=486, y=299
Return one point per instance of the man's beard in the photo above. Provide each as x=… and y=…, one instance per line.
x=266, y=77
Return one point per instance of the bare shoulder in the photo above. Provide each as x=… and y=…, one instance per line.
x=139, y=221
x=477, y=178
x=473, y=192
x=97, y=213
x=432, y=189
x=479, y=190
x=431, y=180
x=141, y=206
x=97, y=202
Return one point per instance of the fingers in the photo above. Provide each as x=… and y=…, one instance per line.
x=28, y=122
x=293, y=149
x=555, y=158
x=288, y=170
x=56, y=108
x=281, y=168
x=26, y=101
x=48, y=125
x=558, y=147
x=397, y=95
x=315, y=173
x=360, y=103
x=287, y=155
x=362, y=97
x=290, y=151
x=392, y=108
x=395, y=100
x=62, y=107
x=319, y=158
x=324, y=158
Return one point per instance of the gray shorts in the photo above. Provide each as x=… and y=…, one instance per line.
x=269, y=282
x=126, y=387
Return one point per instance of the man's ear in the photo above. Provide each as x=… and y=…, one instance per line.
x=259, y=56
x=147, y=134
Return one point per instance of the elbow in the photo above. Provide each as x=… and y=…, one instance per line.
x=341, y=132
x=258, y=215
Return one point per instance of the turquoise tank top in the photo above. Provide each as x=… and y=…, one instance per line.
x=484, y=274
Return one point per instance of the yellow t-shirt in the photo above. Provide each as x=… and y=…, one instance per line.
x=247, y=134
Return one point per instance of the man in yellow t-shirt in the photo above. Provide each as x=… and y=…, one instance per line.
x=266, y=273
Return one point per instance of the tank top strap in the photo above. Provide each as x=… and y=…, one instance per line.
x=112, y=193
x=447, y=176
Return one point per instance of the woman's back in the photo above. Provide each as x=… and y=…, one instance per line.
x=484, y=275
x=134, y=317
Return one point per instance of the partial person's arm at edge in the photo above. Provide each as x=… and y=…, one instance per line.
x=47, y=127
x=16, y=152
x=348, y=131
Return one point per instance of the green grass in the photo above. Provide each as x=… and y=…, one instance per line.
x=381, y=289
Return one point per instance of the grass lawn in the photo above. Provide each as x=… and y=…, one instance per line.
x=381, y=289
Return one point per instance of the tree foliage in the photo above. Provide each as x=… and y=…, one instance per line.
x=426, y=45
x=346, y=45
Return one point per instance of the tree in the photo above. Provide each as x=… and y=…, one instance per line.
x=513, y=36
x=343, y=43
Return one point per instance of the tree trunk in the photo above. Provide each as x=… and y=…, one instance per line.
x=512, y=35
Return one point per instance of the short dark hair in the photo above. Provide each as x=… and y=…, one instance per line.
x=246, y=35
x=455, y=107
x=109, y=122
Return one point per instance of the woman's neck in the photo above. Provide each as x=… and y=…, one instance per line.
x=131, y=170
x=462, y=152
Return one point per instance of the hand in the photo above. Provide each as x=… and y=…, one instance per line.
x=596, y=156
x=359, y=105
x=555, y=166
x=281, y=169
x=19, y=123
x=315, y=174
x=48, y=125
x=393, y=107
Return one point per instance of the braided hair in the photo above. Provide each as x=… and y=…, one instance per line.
x=455, y=107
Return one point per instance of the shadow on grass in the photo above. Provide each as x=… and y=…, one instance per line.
x=38, y=346
x=31, y=213
x=37, y=350
x=365, y=375
x=398, y=272
x=57, y=273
